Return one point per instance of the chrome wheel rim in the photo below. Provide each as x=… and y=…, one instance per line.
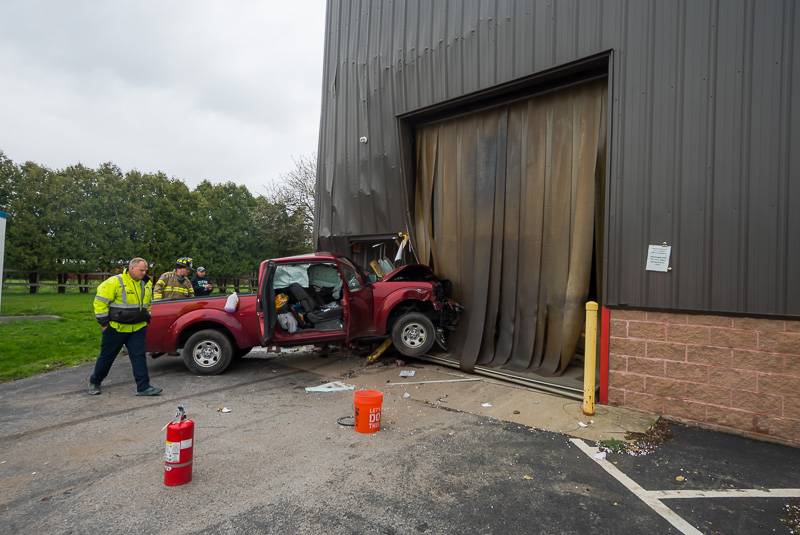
x=207, y=353
x=414, y=335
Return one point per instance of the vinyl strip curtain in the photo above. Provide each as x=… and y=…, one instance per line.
x=506, y=207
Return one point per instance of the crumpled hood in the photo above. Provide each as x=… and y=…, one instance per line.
x=411, y=272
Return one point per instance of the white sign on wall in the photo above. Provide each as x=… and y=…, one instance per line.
x=658, y=257
x=3, y=217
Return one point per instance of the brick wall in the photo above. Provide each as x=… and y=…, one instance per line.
x=734, y=374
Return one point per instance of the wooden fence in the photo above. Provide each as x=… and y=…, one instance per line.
x=18, y=281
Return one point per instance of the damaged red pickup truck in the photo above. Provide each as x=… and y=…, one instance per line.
x=319, y=299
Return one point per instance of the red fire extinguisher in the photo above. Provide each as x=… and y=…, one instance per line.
x=178, y=450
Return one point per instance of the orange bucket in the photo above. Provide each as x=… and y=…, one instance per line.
x=367, y=407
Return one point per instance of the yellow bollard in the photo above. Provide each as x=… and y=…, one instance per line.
x=590, y=358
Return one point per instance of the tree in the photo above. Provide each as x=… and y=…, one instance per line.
x=222, y=232
x=9, y=176
x=296, y=192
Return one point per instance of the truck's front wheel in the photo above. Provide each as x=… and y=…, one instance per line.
x=207, y=352
x=413, y=334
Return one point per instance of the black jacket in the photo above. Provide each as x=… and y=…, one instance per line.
x=199, y=285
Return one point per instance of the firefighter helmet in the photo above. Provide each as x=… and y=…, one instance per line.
x=184, y=261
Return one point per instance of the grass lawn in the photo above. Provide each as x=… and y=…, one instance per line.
x=31, y=347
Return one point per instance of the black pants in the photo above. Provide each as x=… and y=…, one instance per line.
x=110, y=345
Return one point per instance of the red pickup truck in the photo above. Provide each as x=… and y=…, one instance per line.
x=318, y=299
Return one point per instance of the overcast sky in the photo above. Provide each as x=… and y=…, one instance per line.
x=199, y=89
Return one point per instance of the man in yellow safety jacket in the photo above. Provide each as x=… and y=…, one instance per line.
x=122, y=308
x=175, y=284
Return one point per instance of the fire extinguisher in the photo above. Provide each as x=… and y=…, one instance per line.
x=178, y=450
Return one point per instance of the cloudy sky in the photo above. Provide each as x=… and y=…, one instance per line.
x=199, y=89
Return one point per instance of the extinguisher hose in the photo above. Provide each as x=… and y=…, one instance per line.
x=347, y=421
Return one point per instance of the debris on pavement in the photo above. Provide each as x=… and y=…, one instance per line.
x=486, y=405
x=650, y=440
x=792, y=518
x=408, y=373
x=399, y=362
x=582, y=424
x=639, y=443
x=406, y=395
x=431, y=382
x=516, y=412
x=442, y=399
x=527, y=477
x=224, y=410
x=680, y=478
x=600, y=455
x=375, y=355
x=334, y=386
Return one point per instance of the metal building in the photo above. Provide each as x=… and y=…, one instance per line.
x=700, y=130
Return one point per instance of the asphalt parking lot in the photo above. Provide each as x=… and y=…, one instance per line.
x=279, y=463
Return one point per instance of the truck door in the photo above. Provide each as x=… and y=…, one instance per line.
x=358, y=301
x=266, y=303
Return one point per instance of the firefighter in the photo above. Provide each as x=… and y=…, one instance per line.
x=122, y=308
x=175, y=284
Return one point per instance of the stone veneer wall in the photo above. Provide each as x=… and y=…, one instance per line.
x=734, y=374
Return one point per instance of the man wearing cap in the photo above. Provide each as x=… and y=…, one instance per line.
x=202, y=285
x=122, y=308
x=175, y=284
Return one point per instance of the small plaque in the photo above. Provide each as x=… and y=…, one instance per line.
x=658, y=257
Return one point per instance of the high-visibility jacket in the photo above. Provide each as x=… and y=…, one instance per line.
x=170, y=286
x=124, y=303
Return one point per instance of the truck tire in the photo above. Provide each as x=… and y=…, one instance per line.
x=413, y=334
x=208, y=352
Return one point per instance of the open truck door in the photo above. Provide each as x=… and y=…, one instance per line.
x=267, y=317
x=357, y=301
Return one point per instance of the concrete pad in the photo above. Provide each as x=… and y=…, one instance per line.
x=509, y=402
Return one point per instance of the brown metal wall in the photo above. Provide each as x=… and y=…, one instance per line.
x=704, y=128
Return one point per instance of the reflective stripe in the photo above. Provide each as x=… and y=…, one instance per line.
x=102, y=299
x=98, y=316
x=118, y=305
x=125, y=296
x=122, y=283
x=179, y=289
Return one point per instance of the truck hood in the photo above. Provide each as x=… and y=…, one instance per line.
x=411, y=272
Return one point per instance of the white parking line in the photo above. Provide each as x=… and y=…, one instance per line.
x=725, y=493
x=653, y=497
x=654, y=503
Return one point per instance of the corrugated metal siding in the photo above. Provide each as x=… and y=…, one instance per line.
x=703, y=128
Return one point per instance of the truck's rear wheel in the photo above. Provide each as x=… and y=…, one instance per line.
x=207, y=352
x=413, y=334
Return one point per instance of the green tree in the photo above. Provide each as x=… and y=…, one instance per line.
x=9, y=176
x=222, y=230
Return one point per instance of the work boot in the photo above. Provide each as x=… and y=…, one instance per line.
x=150, y=391
x=94, y=390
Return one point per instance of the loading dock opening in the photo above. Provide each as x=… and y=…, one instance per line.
x=508, y=202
